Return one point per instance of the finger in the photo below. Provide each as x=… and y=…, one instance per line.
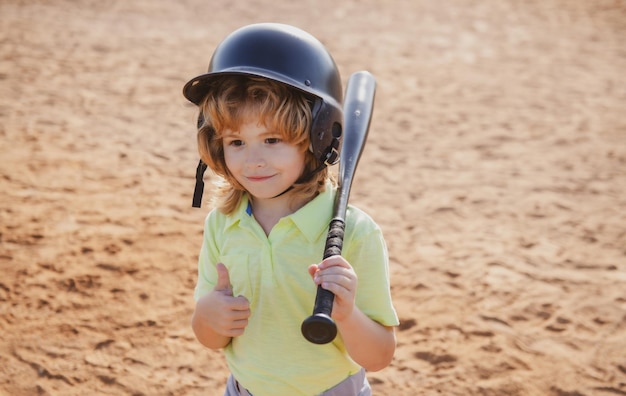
x=313, y=268
x=239, y=316
x=339, y=290
x=235, y=332
x=334, y=261
x=335, y=273
x=336, y=280
x=237, y=327
x=223, y=279
x=240, y=303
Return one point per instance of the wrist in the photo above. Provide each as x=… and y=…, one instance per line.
x=346, y=318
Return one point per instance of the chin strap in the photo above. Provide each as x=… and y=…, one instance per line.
x=199, y=189
x=328, y=158
x=302, y=179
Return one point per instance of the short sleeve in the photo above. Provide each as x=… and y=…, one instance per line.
x=367, y=252
x=207, y=274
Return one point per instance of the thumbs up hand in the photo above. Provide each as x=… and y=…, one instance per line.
x=219, y=315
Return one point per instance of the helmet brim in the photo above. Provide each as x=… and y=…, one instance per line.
x=196, y=89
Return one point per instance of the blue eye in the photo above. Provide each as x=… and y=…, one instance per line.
x=236, y=143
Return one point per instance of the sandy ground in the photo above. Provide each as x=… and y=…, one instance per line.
x=496, y=166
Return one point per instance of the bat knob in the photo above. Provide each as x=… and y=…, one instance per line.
x=319, y=329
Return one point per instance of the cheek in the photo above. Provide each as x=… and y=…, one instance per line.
x=230, y=163
x=230, y=159
x=298, y=161
x=302, y=161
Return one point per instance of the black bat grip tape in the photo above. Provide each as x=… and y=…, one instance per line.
x=319, y=328
x=334, y=239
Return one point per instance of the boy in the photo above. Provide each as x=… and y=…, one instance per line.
x=270, y=123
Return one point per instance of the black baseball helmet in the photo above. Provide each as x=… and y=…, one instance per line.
x=290, y=56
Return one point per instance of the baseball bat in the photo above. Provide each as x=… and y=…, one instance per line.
x=319, y=328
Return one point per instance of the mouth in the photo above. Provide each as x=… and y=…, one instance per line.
x=258, y=178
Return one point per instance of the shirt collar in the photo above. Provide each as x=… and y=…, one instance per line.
x=244, y=210
x=312, y=219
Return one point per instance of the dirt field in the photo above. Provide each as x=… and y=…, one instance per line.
x=496, y=166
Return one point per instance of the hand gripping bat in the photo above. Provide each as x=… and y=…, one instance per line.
x=358, y=106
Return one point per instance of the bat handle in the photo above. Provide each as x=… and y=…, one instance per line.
x=320, y=328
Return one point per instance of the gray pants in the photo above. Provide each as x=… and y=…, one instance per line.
x=354, y=385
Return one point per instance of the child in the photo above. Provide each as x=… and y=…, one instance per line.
x=270, y=122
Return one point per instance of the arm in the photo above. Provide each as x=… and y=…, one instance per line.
x=368, y=343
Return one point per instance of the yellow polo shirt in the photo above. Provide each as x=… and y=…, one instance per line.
x=272, y=357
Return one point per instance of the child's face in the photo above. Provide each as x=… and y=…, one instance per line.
x=261, y=161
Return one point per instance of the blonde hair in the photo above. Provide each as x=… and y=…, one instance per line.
x=234, y=100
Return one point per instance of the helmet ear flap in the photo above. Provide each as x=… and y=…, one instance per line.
x=326, y=132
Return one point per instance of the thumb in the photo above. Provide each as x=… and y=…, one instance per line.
x=223, y=279
x=313, y=268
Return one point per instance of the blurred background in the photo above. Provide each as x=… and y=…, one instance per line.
x=495, y=165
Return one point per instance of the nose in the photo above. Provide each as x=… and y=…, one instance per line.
x=255, y=157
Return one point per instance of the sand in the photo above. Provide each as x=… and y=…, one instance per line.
x=496, y=165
